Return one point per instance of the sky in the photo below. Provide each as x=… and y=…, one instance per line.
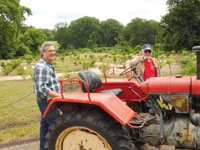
x=47, y=13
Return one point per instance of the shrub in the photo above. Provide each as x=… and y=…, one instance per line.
x=20, y=70
x=10, y=66
x=7, y=69
x=188, y=65
x=137, y=48
x=28, y=59
x=91, y=63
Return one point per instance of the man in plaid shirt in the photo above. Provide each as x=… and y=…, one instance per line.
x=46, y=87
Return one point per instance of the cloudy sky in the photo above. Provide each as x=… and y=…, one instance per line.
x=47, y=13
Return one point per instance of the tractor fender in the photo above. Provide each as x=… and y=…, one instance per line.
x=108, y=102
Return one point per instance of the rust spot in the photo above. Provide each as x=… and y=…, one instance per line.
x=180, y=102
x=195, y=91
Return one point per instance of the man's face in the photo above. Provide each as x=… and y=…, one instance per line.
x=49, y=53
x=146, y=54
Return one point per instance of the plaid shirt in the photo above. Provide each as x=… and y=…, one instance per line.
x=45, y=79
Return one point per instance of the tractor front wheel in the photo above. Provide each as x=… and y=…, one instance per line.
x=87, y=130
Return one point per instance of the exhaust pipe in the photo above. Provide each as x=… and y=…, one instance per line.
x=197, y=49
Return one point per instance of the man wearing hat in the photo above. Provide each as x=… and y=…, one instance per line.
x=148, y=67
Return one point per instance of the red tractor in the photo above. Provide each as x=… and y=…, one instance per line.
x=126, y=113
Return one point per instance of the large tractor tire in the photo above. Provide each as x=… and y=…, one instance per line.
x=87, y=130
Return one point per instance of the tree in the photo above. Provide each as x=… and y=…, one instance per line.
x=80, y=30
x=91, y=43
x=11, y=20
x=109, y=32
x=61, y=34
x=181, y=26
x=140, y=31
x=50, y=34
x=33, y=38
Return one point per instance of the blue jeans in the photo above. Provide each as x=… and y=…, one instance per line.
x=45, y=122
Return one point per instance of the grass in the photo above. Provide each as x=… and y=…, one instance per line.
x=20, y=132
x=19, y=111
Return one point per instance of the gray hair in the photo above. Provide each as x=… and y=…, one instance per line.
x=44, y=45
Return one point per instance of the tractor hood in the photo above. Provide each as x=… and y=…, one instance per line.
x=172, y=85
x=167, y=85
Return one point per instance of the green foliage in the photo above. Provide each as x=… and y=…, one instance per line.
x=62, y=58
x=169, y=62
x=137, y=48
x=85, y=50
x=15, y=63
x=80, y=31
x=180, y=27
x=9, y=66
x=110, y=31
x=189, y=70
x=1, y=138
x=7, y=69
x=62, y=36
x=188, y=66
x=20, y=70
x=91, y=63
x=185, y=53
x=92, y=41
x=28, y=58
x=104, y=67
x=3, y=64
x=33, y=38
x=141, y=31
x=11, y=20
x=50, y=34
x=23, y=50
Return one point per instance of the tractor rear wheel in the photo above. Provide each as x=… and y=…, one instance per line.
x=87, y=130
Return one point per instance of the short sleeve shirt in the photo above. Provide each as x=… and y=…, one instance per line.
x=149, y=69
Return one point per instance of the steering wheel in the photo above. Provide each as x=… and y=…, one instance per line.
x=132, y=68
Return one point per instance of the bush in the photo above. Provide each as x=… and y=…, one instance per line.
x=28, y=59
x=7, y=69
x=188, y=65
x=137, y=48
x=20, y=70
x=10, y=66
x=189, y=70
x=3, y=64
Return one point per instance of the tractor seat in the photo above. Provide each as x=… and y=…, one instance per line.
x=93, y=81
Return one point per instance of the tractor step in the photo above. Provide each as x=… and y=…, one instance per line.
x=146, y=116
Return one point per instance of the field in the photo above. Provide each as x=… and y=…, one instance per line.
x=20, y=115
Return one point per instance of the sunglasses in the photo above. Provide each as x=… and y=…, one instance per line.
x=147, y=51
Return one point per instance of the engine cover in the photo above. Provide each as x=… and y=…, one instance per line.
x=167, y=85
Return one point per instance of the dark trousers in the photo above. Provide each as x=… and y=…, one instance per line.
x=45, y=122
